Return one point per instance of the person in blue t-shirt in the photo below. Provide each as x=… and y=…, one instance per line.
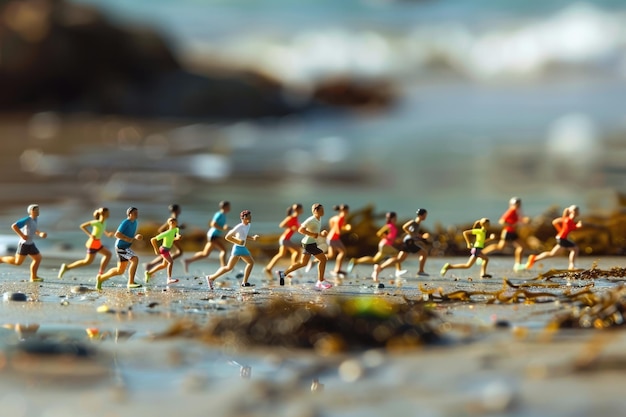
x=26, y=229
x=215, y=237
x=126, y=234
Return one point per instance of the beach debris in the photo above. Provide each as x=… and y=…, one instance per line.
x=339, y=325
x=92, y=332
x=14, y=296
x=316, y=385
x=496, y=397
x=195, y=382
x=504, y=295
x=104, y=309
x=80, y=289
x=245, y=371
x=593, y=310
x=23, y=330
x=351, y=370
x=587, y=309
x=584, y=274
x=56, y=361
x=123, y=334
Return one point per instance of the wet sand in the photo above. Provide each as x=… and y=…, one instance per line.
x=498, y=359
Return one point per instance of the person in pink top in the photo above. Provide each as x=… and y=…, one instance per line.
x=388, y=234
x=564, y=225
x=291, y=223
x=411, y=243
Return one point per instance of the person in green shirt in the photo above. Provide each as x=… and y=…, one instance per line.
x=479, y=230
x=177, y=249
x=167, y=238
x=94, y=243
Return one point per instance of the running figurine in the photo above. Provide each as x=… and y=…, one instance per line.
x=238, y=236
x=479, y=230
x=336, y=249
x=412, y=242
x=285, y=244
x=564, y=225
x=168, y=237
x=215, y=237
x=509, y=236
x=125, y=235
x=177, y=249
x=311, y=228
x=94, y=242
x=26, y=229
x=386, y=246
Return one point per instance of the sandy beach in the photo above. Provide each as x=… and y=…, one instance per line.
x=494, y=359
x=386, y=106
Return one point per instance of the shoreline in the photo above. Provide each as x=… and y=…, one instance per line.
x=499, y=358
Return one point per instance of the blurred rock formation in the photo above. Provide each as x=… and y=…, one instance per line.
x=55, y=55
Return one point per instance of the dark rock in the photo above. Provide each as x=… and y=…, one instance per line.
x=68, y=57
x=14, y=296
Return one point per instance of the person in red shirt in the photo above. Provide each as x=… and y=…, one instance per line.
x=509, y=236
x=563, y=225
x=286, y=246
x=336, y=249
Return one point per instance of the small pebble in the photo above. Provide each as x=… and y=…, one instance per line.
x=14, y=296
x=104, y=309
x=80, y=289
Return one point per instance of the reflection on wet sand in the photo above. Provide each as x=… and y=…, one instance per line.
x=166, y=355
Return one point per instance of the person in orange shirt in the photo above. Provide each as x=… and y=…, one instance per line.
x=563, y=225
x=509, y=236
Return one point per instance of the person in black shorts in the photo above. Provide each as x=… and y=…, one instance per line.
x=412, y=243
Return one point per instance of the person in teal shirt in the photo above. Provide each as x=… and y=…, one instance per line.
x=125, y=235
x=215, y=237
x=167, y=238
x=479, y=230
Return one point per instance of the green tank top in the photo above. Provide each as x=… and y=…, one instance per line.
x=98, y=228
x=168, y=237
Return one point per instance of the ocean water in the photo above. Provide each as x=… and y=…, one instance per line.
x=414, y=40
x=494, y=99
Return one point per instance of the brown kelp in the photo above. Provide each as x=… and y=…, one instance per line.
x=337, y=325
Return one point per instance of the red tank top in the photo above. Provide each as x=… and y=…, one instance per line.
x=335, y=233
x=510, y=219
x=567, y=226
x=292, y=224
x=391, y=235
